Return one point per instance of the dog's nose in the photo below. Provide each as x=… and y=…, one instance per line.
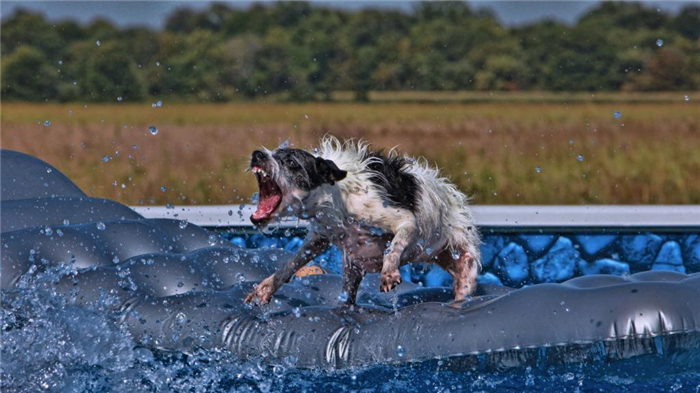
x=258, y=156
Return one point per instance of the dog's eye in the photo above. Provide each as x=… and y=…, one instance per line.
x=292, y=164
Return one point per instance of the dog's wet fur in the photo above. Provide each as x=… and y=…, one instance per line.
x=382, y=210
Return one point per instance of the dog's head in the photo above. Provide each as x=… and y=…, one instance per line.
x=286, y=178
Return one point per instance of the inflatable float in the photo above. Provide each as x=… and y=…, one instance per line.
x=179, y=287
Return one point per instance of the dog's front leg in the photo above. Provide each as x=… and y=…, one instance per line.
x=403, y=236
x=314, y=245
x=353, y=274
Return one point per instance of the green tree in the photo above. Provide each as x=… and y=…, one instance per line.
x=109, y=72
x=26, y=75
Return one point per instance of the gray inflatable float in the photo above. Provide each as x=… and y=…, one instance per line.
x=177, y=287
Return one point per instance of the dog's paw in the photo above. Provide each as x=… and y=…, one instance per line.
x=262, y=293
x=389, y=279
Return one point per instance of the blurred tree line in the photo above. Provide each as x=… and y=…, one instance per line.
x=296, y=51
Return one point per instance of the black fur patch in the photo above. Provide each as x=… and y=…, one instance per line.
x=401, y=188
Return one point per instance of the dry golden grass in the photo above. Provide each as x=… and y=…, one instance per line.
x=491, y=150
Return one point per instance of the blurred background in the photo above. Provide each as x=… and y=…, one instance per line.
x=518, y=102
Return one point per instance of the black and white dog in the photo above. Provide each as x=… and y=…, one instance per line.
x=382, y=211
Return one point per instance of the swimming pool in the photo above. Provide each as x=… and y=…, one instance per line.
x=87, y=325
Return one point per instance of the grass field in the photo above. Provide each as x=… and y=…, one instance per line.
x=491, y=149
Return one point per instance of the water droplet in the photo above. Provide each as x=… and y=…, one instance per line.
x=213, y=239
x=49, y=170
x=181, y=317
x=169, y=206
x=66, y=222
x=153, y=130
x=47, y=123
x=106, y=158
x=343, y=297
x=119, y=98
x=98, y=43
x=158, y=63
x=538, y=169
x=48, y=231
x=456, y=255
x=101, y=226
x=159, y=104
x=163, y=188
x=579, y=158
x=284, y=144
x=429, y=251
x=617, y=114
x=297, y=312
x=183, y=224
x=307, y=116
x=115, y=260
x=687, y=98
x=659, y=42
x=400, y=351
x=59, y=232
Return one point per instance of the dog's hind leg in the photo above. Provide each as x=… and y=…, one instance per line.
x=403, y=236
x=463, y=268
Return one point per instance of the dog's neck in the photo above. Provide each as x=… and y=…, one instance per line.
x=325, y=207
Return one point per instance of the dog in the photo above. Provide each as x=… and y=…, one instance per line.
x=381, y=210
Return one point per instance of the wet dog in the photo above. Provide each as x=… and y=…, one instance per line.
x=381, y=210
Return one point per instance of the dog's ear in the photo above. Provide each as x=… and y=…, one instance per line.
x=329, y=171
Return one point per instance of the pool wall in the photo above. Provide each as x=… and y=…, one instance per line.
x=521, y=245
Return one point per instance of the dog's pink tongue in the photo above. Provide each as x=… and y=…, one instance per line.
x=266, y=206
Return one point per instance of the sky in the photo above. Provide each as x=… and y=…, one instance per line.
x=154, y=13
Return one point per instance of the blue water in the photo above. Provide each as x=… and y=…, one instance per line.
x=48, y=344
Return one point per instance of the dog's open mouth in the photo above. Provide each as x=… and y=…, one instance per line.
x=270, y=195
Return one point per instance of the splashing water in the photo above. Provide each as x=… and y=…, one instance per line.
x=52, y=344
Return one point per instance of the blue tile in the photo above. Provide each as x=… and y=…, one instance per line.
x=558, y=264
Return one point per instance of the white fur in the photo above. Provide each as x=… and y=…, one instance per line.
x=442, y=216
